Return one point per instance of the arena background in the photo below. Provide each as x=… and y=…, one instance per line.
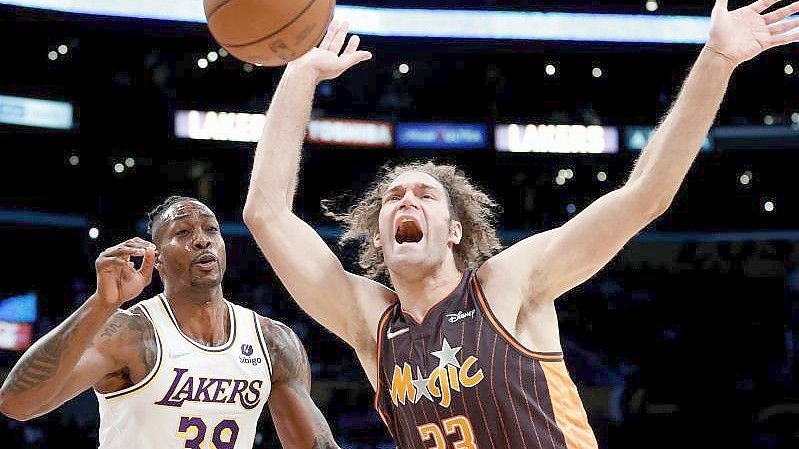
x=687, y=338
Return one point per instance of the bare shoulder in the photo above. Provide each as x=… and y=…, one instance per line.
x=289, y=359
x=373, y=300
x=518, y=273
x=128, y=337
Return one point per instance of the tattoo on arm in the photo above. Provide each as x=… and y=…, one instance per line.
x=291, y=368
x=324, y=442
x=41, y=363
x=113, y=327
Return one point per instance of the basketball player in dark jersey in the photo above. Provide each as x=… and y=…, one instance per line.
x=464, y=352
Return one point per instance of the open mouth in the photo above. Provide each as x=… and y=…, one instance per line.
x=408, y=231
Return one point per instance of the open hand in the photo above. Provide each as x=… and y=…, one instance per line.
x=742, y=34
x=117, y=278
x=327, y=60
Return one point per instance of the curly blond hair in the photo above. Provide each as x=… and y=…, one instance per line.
x=471, y=207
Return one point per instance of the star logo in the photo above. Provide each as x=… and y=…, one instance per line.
x=446, y=356
x=420, y=384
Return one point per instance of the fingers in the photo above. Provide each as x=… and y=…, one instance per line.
x=331, y=31
x=134, y=247
x=352, y=45
x=721, y=4
x=785, y=11
x=146, y=269
x=783, y=27
x=357, y=57
x=338, y=38
x=762, y=5
x=785, y=38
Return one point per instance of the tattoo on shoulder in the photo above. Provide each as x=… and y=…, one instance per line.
x=289, y=359
x=142, y=331
x=113, y=326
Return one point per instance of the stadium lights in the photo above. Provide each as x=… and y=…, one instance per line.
x=94, y=233
x=768, y=206
x=404, y=68
x=202, y=63
x=212, y=56
x=788, y=69
x=601, y=176
x=53, y=55
x=74, y=160
x=651, y=5
x=119, y=168
x=130, y=162
x=745, y=178
x=550, y=70
x=63, y=49
x=596, y=72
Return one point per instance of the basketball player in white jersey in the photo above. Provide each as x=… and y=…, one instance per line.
x=185, y=369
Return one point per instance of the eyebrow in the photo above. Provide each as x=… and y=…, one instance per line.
x=418, y=185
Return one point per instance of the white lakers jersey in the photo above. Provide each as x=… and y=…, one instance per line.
x=196, y=396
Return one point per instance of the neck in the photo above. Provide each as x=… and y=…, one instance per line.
x=418, y=293
x=201, y=313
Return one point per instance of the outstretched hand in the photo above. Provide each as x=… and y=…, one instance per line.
x=742, y=34
x=327, y=60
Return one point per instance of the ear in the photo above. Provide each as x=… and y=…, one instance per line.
x=376, y=240
x=455, y=232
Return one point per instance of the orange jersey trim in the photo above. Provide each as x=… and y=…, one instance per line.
x=542, y=356
x=569, y=411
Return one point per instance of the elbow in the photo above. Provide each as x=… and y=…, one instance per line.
x=259, y=208
x=14, y=411
x=651, y=201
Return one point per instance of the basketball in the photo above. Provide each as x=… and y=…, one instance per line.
x=268, y=32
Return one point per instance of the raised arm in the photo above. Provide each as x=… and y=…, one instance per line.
x=88, y=346
x=299, y=423
x=313, y=275
x=550, y=263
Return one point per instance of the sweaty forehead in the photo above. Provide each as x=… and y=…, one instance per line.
x=414, y=179
x=185, y=209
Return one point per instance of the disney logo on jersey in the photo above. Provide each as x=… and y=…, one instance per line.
x=459, y=315
x=246, y=351
x=204, y=389
x=449, y=375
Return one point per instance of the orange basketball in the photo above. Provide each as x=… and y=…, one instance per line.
x=268, y=32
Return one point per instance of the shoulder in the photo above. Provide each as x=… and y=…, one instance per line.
x=289, y=359
x=127, y=338
x=124, y=326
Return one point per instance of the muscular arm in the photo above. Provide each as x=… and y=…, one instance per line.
x=299, y=423
x=93, y=346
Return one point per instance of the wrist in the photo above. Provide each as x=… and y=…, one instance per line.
x=101, y=303
x=711, y=52
x=300, y=70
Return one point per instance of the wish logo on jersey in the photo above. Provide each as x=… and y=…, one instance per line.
x=449, y=375
x=205, y=389
x=246, y=352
